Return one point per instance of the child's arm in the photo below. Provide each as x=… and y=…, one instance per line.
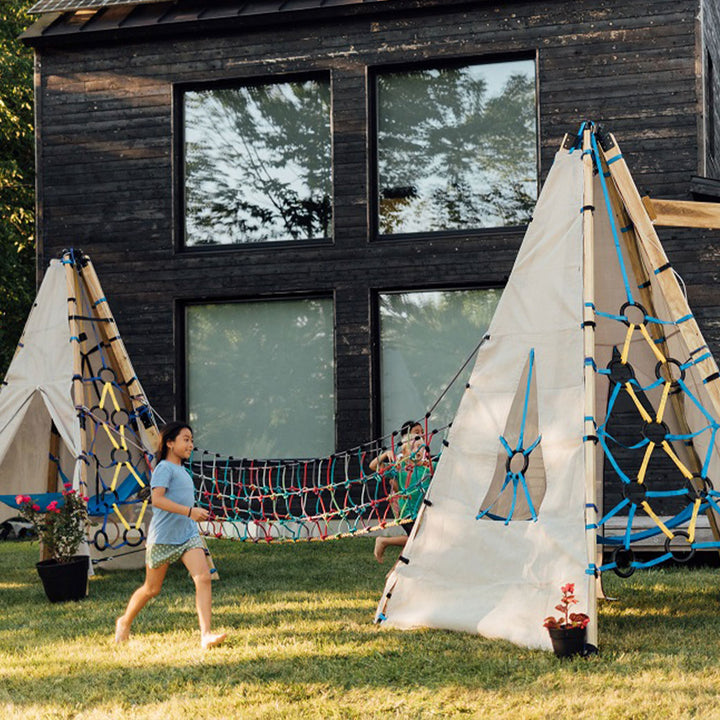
x=378, y=462
x=161, y=502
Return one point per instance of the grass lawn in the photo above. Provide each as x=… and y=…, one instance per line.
x=303, y=645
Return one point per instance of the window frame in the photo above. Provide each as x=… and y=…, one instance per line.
x=181, y=343
x=710, y=121
x=179, y=227
x=374, y=72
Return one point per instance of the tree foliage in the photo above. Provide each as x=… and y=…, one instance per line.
x=17, y=177
x=257, y=163
x=456, y=148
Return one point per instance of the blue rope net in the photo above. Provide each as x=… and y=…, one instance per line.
x=651, y=462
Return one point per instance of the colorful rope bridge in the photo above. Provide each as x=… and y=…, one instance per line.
x=317, y=499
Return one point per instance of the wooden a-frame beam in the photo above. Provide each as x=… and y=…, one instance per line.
x=683, y=213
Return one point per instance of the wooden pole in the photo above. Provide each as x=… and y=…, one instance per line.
x=78, y=389
x=648, y=239
x=118, y=352
x=116, y=348
x=646, y=298
x=589, y=379
x=52, y=473
x=683, y=213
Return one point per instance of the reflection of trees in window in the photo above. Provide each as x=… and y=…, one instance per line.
x=425, y=338
x=260, y=378
x=457, y=148
x=257, y=163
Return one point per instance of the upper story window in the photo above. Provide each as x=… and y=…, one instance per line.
x=257, y=163
x=456, y=147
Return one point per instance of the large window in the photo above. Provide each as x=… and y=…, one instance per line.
x=260, y=378
x=425, y=337
x=257, y=163
x=456, y=147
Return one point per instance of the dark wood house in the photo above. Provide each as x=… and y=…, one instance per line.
x=302, y=211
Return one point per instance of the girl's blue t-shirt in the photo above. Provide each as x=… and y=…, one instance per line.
x=168, y=528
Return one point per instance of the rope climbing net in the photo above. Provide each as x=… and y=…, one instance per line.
x=256, y=500
x=662, y=465
x=315, y=499
x=113, y=413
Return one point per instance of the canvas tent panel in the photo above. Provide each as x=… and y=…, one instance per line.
x=501, y=579
x=38, y=391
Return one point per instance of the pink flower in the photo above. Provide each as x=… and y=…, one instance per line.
x=85, y=498
x=569, y=588
x=67, y=486
x=52, y=505
x=36, y=507
x=21, y=499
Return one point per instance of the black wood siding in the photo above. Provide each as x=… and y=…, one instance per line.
x=105, y=121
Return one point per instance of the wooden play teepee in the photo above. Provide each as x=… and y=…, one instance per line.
x=72, y=409
x=592, y=316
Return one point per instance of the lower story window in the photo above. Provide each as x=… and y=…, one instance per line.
x=424, y=339
x=260, y=377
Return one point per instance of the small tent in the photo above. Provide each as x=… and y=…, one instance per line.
x=72, y=410
x=592, y=315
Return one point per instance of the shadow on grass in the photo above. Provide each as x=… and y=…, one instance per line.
x=302, y=615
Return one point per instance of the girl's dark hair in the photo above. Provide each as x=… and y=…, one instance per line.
x=408, y=425
x=405, y=429
x=167, y=434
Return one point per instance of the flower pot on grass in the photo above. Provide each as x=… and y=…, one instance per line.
x=567, y=632
x=568, y=641
x=64, y=581
x=61, y=527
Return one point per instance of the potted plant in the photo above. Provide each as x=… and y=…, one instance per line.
x=61, y=529
x=567, y=633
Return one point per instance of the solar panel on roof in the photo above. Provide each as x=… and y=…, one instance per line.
x=43, y=6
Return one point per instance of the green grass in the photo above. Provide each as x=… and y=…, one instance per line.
x=302, y=645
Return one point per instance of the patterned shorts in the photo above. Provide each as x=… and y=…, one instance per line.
x=159, y=554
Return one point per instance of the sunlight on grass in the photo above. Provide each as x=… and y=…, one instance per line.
x=302, y=645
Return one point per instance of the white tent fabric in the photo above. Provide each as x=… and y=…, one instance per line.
x=471, y=563
x=501, y=580
x=38, y=393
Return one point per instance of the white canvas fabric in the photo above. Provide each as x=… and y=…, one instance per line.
x=502, y=577
x=37, y=393
x=501, y=580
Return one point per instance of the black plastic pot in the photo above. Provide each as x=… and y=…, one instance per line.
x=567, y=642
x=65, y=581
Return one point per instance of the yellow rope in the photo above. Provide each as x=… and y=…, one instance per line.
x=626, y=347
x=646, y=460
x=657, y=520
x=693, y=520
x=666, y=447
x=120, y=515
x=643, y=412
x=663, y=401
x=652, y=345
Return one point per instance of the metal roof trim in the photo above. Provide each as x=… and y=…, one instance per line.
x=151, y=19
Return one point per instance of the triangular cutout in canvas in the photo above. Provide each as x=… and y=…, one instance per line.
x=519, y=482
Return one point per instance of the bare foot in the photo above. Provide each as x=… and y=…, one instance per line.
x=122, y=630
x=210, y=640
x=379, y=550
